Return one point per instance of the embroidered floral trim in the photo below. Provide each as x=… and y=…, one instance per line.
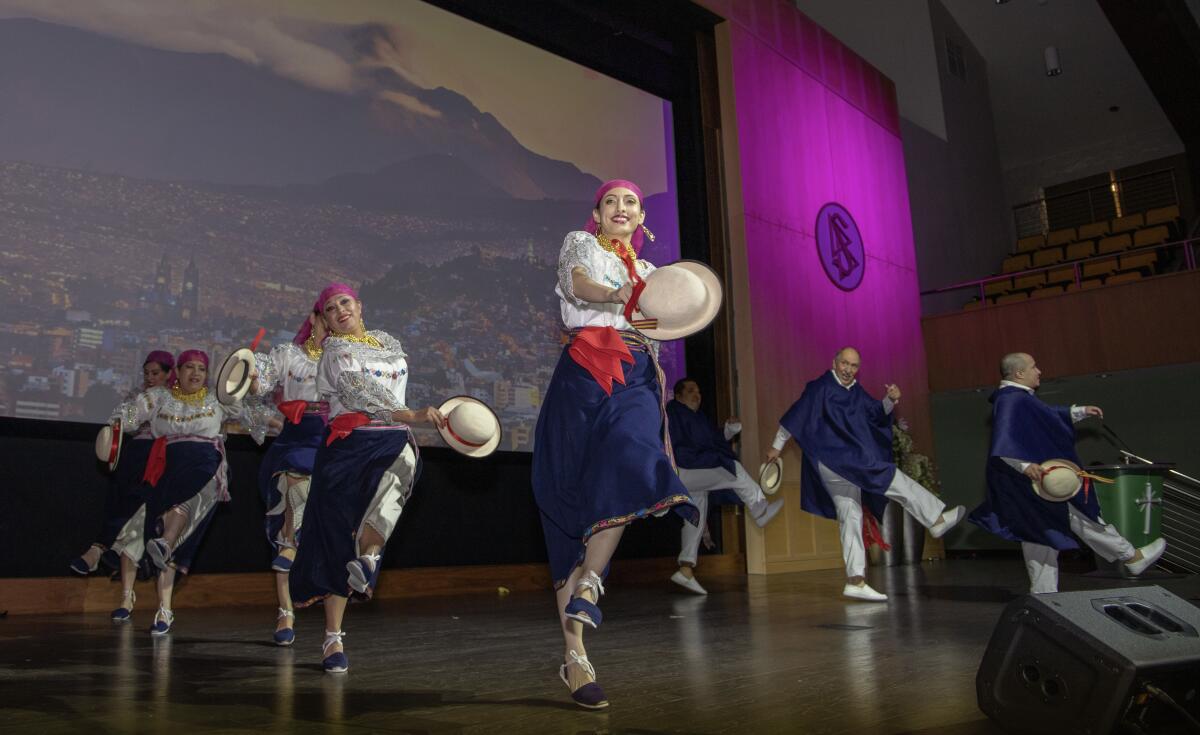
x=664, y=504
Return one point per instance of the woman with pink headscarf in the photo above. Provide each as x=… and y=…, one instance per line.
x=124, y=496
x=602, y=456
x=185, y=475
x=364, y=469
x=288, y=376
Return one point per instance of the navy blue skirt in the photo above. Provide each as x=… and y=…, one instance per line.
x=345, y=476
x=601, y=461
x=294, y=450
x=190, y=466
x=124, y=495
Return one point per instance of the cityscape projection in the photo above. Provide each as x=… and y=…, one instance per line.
x=179, y=175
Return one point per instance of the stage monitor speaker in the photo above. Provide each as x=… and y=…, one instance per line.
x=1104, y=661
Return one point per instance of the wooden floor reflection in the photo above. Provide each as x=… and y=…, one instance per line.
x=781, y=654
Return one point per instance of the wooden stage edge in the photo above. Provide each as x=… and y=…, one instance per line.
x=66, y=595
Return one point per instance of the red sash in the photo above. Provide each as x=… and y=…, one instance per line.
x=156, y=465
x=872, y=535
x=293, y=410
x=600, y=351
x=344, y=423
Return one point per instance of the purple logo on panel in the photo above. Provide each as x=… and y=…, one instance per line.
x=840, y=247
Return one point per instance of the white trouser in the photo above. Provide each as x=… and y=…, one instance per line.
x=1042, y=561
x=390, y=495
x=847, y=500
x=131, y=540
x=294, y=496
x=699, y=484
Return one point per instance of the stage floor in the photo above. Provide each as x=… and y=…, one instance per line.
x=779, y=654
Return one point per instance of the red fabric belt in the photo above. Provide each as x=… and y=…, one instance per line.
x=293, y=411
x=344, y=423
x=156, y=465
x=600, y=351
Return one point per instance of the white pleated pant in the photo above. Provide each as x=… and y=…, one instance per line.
x=293, y=493
x=847, y=500
x=1042, y=561
x=699, y=484
x=131, y=541
x=391, y=494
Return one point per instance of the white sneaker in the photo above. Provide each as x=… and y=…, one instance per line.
x=863, y=592
x=1150, y=554
x=768, y=513
x=688, y=583
x=950, y=519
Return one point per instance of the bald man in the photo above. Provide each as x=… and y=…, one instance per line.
x=846, y=436
x=1025, y=433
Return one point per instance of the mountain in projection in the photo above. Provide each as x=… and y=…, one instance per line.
x=85, y=101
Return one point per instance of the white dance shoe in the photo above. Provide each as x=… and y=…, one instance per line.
x=863, y=592
x=688, y=583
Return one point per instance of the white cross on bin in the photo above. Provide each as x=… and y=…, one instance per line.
x=1144, y=503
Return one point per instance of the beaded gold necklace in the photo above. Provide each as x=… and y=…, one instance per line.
x=616, y=247
x=312, y=348
x=192, y=399
x=366, y=339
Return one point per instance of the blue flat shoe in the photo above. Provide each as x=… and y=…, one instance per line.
x=159, y=552
x=287, y=636
x=363, y=572
x=281, y=564
x=334, y=663
x=590, y=695
x=162, y=622
x=581, y=609
x=124, y=613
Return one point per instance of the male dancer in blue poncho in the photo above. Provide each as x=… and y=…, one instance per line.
x=706, y=464
x=846, y=436
x=1025, y=433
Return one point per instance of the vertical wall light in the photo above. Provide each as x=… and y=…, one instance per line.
x=1053, y=65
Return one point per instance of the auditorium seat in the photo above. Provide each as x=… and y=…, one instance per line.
x=1014, y=263
x=1077, y=250
x=1128, y=223
x=1099, y=267
x=1010, y=298
x=1114, y=244
x=1047, y=256
x=1093, y=231
x=1137, y=261
x=1033, y=242
x=1086, y=285
x=1046, y=291
x=1065, y=274
x=1162, y=215
x=1151, y=236
x=1123, y=278
x=1025, y=283
x=974, y=303
x=1060, y=237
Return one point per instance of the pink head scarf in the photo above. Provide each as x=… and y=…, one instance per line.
x=187, y=356
x=162, y=357
x=333, y=289
x=607, y=186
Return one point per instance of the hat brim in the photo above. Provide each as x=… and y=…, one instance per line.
x=108, y=444
x=699, y=321
x=233, y=379
x=1037, y=486
x=770, y=476
x=457, y=444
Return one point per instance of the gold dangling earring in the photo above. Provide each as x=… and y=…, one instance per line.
x=362, y=325
x=649, y=234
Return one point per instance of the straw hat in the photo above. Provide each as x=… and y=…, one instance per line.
x=770, y=476
x=472, y=427
x=679, y=300
x=233, y=379
x=108, y=443
x=1060, y=480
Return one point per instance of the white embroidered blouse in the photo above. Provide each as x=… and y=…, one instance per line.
x=354, y=376
x=289, y=368
x=171, y=416
x=581, y=250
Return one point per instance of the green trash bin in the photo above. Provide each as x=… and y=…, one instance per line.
x=1133, y=503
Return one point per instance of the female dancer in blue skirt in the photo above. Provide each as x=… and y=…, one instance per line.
x=289, y=372
x=185, y=474
x=124, y=485
x=602, y=454
x=364, y=469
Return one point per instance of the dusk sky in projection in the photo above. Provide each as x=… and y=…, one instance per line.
x=589, y=124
